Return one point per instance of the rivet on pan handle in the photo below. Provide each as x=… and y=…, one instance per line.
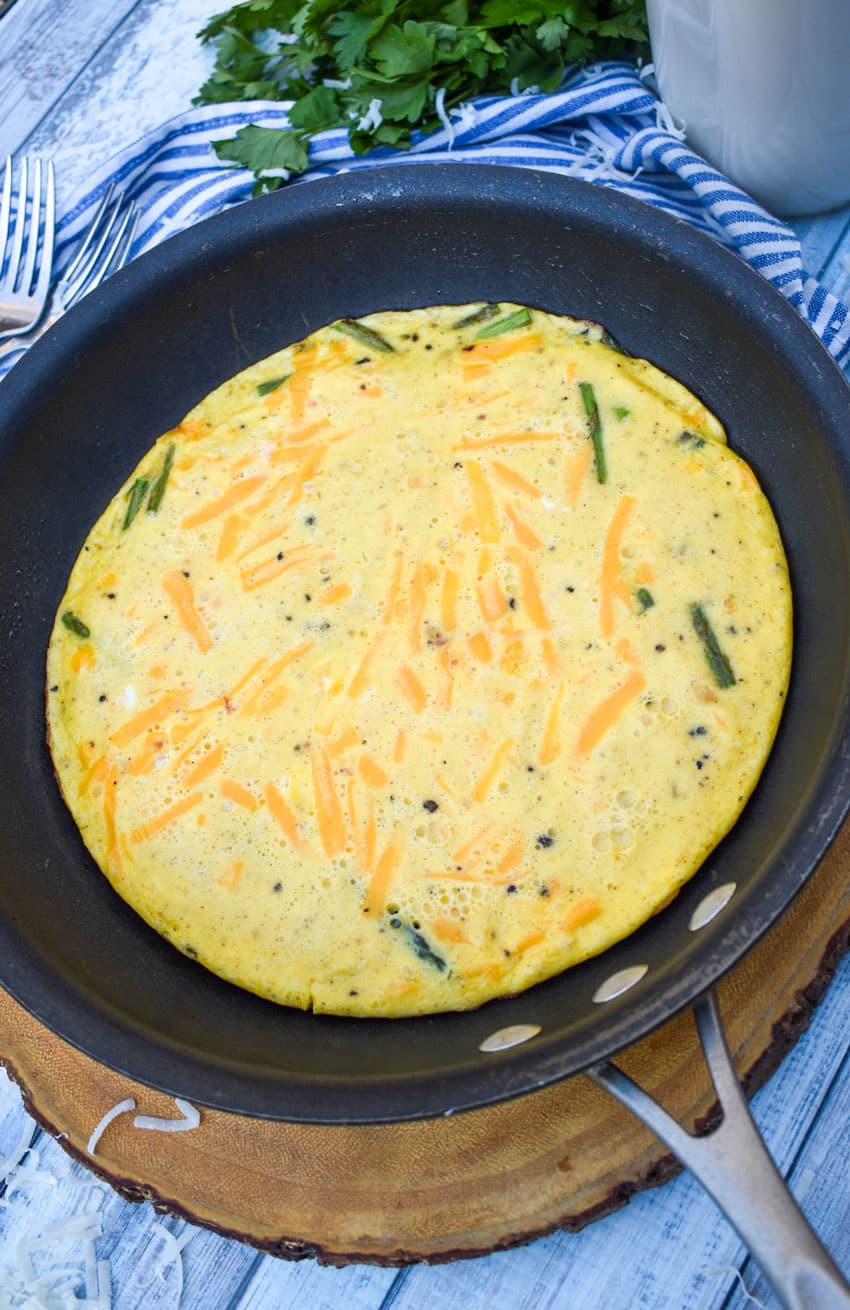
x=734, y=1167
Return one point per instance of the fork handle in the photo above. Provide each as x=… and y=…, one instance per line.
x=25, y=339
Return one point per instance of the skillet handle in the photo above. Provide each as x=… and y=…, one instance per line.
x=734, y=1167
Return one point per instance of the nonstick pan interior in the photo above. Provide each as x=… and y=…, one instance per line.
x=85, y=403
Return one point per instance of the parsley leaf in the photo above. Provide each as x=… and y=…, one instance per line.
x=551, y=33
x=355, y=31
x=317, y=109
x=375, y=67
x=259, y=148
x=398, y=52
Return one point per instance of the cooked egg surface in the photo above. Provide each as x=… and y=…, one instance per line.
x=423, y=660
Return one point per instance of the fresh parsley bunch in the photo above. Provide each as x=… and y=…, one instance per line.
x=382, y=68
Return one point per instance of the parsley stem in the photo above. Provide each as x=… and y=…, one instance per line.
x=423, y=949
x=365, y=335
x=519, y=318
x=272, y=385
x=158, y=488
x=718, y=662
x=75, y=625
x=480, y=316
x=137, y=495
x=591, y=409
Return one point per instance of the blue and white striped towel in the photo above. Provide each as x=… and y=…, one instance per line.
x=604, y=125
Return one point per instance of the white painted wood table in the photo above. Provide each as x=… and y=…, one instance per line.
x=78, y=80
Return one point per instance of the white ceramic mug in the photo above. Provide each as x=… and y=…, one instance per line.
x=763, y=90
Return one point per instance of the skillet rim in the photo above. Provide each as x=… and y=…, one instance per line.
x=525, y=1068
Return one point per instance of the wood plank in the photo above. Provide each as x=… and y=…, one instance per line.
x=213, y=1270
x=822, y=236
x=308, y=1286
x=146, y=72
x=813, y=1183
x=15, y=1123
x=670, y=1249
x=45, y=46
x=836, y=274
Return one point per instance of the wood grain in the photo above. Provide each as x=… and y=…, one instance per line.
x=444, y=1188
x=45, y=45
x=129, y=66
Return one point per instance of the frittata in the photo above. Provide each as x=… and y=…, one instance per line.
x=421, y=661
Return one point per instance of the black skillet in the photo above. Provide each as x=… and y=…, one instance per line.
x=87, y=401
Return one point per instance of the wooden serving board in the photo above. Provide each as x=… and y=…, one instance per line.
x=450, y=1187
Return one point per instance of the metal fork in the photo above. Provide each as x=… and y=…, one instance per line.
x=103, y=250
x=24, y=277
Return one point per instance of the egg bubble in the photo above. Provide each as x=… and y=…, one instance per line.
x=626, y=799
x=601, y=842
x=621, y=838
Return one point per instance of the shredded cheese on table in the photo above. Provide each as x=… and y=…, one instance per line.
x=121, y=1108
x=191, y=1119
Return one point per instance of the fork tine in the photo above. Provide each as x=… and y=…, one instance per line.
x=98, y=240
x=116, y=255
x=115, y=225
x=91, y=233
x=33, y=233
x=107, y=244
x=46, y=271
x=5, y=209
x=19, y=228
